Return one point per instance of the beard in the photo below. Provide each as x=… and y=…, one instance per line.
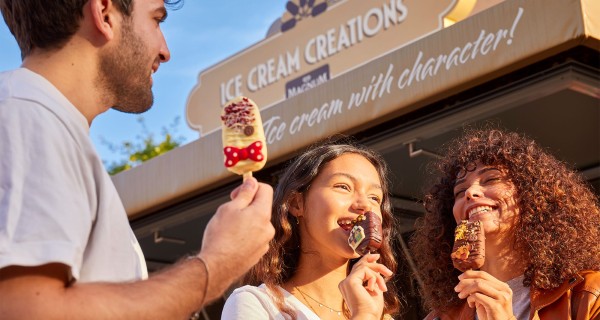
x=125, y=74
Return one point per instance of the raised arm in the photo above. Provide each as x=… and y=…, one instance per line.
x=234, y=240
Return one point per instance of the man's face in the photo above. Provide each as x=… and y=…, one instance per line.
x=126, y=69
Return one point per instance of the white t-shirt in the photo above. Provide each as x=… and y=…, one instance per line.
x=57, y=203
x=250, y=302
x=521, y=301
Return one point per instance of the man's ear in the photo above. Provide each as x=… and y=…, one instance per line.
x=296, y=205
x=104, y=15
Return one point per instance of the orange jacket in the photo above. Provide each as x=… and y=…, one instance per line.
x=576, y=299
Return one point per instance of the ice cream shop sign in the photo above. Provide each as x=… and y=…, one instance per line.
x=318, y=48
x=316, y=41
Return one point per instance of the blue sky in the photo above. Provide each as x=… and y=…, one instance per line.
x=199, y=35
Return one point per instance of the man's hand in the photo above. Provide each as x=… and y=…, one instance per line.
x=237, y=236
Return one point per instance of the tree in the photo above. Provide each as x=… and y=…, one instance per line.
x=144, y=149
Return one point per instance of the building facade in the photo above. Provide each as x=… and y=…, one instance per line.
x=412, y=78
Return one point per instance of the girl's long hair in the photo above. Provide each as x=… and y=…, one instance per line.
x=557, y=230
x=279, y=264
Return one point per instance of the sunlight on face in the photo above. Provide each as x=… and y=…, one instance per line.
x=486, y=194
x=346, y=187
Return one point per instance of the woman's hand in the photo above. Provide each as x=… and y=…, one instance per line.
x=363, y=288
x=491, y=297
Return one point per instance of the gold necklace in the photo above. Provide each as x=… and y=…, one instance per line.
x=304, y=295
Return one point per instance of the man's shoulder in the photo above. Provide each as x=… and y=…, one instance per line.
x=18, y=83
x=24, y=93
x=23, y=114
x=29, y=103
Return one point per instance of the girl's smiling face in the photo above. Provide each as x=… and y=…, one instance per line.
x=486, y=194
x=346, y=187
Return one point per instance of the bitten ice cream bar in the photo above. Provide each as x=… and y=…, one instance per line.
x=366, y=235
x=244, y=144
x=469, y=246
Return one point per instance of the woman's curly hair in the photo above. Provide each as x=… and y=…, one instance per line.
x=559, y=222
x=281, y=261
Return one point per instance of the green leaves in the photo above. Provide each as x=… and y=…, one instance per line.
x=144, y=148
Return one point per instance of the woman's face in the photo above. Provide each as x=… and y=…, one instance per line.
x=486, y=194
x=346, y=187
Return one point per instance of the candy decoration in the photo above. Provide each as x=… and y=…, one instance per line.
x=244, y=145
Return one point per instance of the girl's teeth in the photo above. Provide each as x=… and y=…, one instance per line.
x=479, y=209
x=345, y=222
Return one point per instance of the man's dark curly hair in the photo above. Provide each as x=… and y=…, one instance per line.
x=557, y=230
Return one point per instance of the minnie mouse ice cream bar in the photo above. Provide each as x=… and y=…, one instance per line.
x=244, y=145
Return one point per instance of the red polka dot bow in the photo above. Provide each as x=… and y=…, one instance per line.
x=233, y=155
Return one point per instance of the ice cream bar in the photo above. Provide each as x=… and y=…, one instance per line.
x=469, y=246
x=367, y=234
x=244, y=143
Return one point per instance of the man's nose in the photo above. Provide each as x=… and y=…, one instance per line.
x=164, y=54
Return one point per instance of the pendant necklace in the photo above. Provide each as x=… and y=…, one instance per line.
x=304, y=295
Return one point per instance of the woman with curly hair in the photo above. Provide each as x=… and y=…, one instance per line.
x=318, y=196
x=542, y=229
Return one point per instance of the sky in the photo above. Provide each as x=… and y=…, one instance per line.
x=200, y=34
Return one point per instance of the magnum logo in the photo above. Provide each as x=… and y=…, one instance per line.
x=300, y=9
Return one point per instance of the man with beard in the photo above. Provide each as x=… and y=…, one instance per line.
x=66, y=248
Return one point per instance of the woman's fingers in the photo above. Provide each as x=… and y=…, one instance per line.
x=370, y=273
x=367, y=274
x=370, y=261
x=363, y=288
x=491, y=297
x=375, y=282
x=482, y=282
